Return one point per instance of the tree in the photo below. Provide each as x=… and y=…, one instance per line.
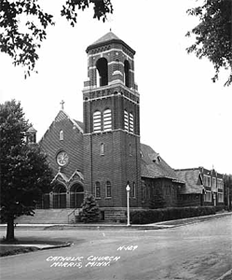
x=25, y=173
x=23, y=26
x=213, y=35
x=228, y=190
x=157, y=200
x=90, y=210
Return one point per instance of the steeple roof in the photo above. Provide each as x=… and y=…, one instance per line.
x=109, y=37
x=31, y=130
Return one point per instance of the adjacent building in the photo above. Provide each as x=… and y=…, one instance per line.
x=202, y=187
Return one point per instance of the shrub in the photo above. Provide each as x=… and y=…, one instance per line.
x=220, y=207
x=90, y=211
x=147, y=216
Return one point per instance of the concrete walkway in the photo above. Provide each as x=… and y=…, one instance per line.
x=101, y=225
x=108, y=226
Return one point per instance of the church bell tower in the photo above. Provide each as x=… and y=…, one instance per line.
x=111, y=124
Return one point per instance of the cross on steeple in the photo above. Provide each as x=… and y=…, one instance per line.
x=62, y=104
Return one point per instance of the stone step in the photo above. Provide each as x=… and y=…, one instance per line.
x=48, y=216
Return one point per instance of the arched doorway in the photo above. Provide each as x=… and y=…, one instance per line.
x=59, y=197
x=76, y=196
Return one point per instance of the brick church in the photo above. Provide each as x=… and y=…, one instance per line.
x=103, y=154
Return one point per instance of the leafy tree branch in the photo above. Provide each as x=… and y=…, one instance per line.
x=24, y=24
x=213, y=35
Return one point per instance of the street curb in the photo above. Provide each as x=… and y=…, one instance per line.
x=56, y=246
x=104, y=227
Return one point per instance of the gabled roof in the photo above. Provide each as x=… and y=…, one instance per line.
x=192, y=180
x=153, y=166
x=109, y=37
x=79, y=124
x=64, y=116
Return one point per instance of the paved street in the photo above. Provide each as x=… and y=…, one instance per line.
x=201, y=251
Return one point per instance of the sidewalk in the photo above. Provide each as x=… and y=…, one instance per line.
x=112, y=226
x=103, y=226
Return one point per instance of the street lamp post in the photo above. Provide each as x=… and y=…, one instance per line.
x=128, y=204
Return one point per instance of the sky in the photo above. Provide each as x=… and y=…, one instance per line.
x=184, y=116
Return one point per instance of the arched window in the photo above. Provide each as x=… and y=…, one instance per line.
x=143, y=186
x=76, y=196
x=130, y=149
x=97, y=190
x=102, y=71
x=132, y=190
x=126, y=121
x=108, y=189
x=61, y=135
x=107, y=120
x=59, y=197
x=102, y=149
x=127, y=73
x=131, y=129
x=97, y=121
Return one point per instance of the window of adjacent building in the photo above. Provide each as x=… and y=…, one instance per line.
x=108, y=189
x=102, y=72
x=131, y=129
x=214, y=183
x=107, y=120
x=207, y=181
x=208, y=196
x=97, y=190
x=97, y=121
x=220, y=197
x=219, y=183
x=126, y=121
x=61, y=135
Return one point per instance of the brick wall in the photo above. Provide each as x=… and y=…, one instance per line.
x=118, y=165
x=72, y=144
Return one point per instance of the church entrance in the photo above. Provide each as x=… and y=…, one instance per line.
x=76, y=196
x=59, y=197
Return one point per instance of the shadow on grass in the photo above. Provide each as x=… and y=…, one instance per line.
x=18, y=246
x=15, y=250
